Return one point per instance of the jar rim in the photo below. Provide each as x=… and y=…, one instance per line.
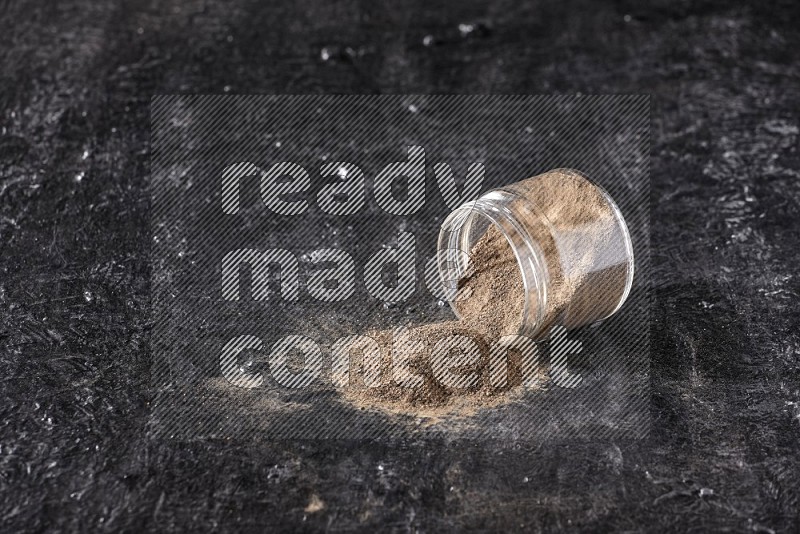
x=455, y=235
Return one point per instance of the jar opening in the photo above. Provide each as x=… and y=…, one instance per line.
x=460, y=233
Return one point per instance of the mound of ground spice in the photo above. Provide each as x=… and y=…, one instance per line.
x=490, y=305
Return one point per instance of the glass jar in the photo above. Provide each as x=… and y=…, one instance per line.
x=570, y=241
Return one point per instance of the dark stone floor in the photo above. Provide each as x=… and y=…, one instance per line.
x=77, y=78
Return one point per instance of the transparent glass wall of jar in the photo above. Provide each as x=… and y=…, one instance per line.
x=570, y=240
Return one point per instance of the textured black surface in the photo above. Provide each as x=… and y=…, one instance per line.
x=76, y=85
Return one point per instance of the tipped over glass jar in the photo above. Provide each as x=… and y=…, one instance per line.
x=568, y=238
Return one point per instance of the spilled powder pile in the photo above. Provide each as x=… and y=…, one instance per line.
x=493, y=307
